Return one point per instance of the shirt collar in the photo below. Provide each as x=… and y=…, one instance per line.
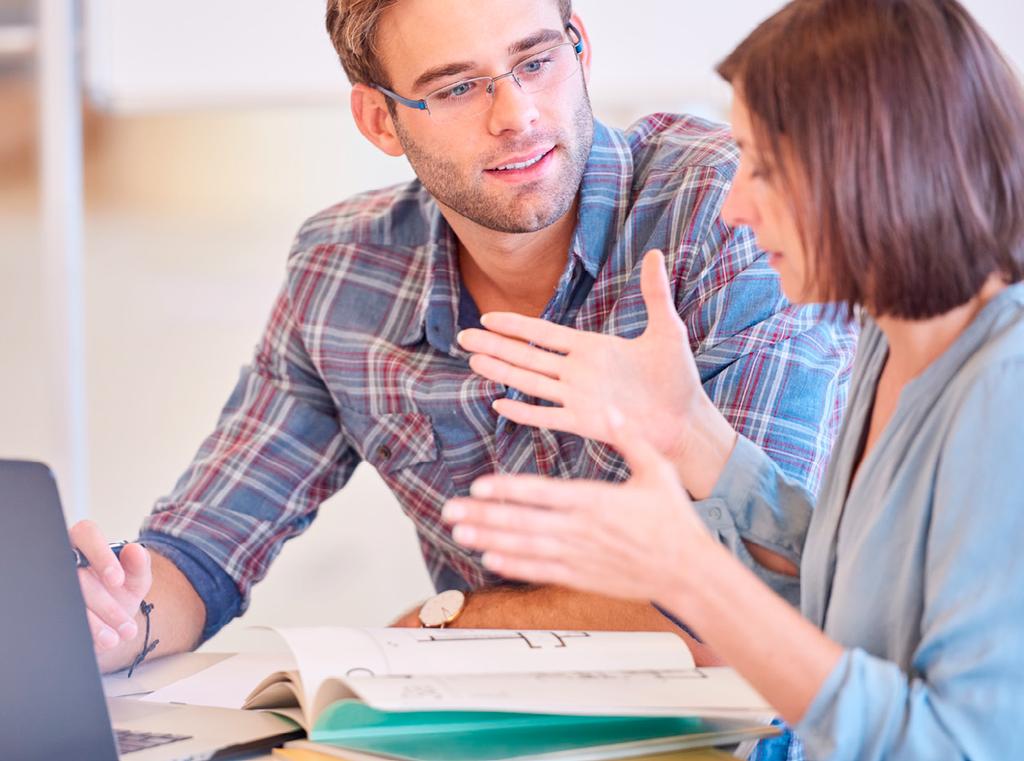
x=604, y=197
x=435, y=314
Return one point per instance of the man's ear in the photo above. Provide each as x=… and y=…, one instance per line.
x=370, y=110
x=585, y=55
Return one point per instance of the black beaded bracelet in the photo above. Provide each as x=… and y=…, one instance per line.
x=147, y=647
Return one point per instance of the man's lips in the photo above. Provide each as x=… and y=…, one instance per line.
x=521, y=161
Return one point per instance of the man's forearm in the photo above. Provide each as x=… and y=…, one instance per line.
x=559, y=608
x=176, y=620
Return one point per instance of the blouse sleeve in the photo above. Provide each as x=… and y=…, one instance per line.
x=963, y=695
x=755, y=500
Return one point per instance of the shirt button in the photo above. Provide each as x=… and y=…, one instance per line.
x=715, y=513
x=384, y=452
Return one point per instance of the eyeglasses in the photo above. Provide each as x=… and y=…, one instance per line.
x=472, y=97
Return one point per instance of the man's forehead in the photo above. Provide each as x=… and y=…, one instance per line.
x=417, y=35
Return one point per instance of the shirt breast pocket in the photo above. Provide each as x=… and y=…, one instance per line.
x=392, y=441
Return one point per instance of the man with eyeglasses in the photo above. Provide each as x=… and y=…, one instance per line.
x=523, y=203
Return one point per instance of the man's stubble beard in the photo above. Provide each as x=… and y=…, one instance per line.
x=450, y=186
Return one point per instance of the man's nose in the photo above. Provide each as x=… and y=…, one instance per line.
x=512, y=109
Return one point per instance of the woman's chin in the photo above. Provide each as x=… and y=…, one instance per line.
x=793, y=288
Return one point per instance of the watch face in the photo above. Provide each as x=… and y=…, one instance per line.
x=442, y=609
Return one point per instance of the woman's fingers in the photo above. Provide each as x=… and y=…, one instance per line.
x=532, y=570
x=533, y=330
x=525, y=544
x=540, y=491
x=512, y=351
x=527, y=381
x=536, y=416
x=492, y=516
x=654, y=286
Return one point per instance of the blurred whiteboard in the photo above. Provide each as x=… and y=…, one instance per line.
x=145, y=55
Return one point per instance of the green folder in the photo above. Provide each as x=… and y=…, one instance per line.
x=491, y=736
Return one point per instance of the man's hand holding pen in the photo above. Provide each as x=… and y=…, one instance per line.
x=114, y=580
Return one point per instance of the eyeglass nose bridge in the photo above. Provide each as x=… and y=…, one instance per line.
x=494, y=81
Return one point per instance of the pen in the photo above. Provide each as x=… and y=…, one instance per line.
x=81, y=561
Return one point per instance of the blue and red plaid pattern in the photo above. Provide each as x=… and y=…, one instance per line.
x=359, y=362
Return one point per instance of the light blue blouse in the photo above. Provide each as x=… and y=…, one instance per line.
x=919, y=572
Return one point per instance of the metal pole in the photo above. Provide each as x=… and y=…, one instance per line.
x=60, y=105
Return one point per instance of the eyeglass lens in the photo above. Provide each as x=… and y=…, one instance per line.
x=473, y=96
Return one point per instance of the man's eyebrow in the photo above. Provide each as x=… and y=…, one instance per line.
x=447, y=70
x=441, y=72
x=535, y=39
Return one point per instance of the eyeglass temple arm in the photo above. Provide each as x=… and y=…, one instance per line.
x=420, y=105
x=577, y=43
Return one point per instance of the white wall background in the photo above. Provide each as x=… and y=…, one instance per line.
x=191, y=208
x=150, y=54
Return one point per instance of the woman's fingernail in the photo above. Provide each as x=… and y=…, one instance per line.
x=107, y=638
x=463, y=534
x=453, y=511
x=481, y=489
x=128, y=630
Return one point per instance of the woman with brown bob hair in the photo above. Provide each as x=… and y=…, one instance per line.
x=882, y=168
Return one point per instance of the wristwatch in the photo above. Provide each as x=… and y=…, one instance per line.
x=441, y=609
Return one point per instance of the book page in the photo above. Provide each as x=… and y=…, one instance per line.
x=224, y=684
x=346, y=653
x=704, y=692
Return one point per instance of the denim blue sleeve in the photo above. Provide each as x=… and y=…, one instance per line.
x=755, y=500
x=215, y=588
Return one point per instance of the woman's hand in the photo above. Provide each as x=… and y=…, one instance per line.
x=642, y=540
x=635, y=540
x=652, y=379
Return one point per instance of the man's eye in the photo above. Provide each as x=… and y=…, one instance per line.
x=459, y=90
x=535, y=66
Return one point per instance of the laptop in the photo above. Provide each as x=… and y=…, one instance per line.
x=51, y=698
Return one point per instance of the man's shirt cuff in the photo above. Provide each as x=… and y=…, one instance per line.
x=213, y=585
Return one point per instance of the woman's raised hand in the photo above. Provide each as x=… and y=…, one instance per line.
x=651, y=379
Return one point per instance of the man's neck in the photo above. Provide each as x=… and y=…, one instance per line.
x=512, y=272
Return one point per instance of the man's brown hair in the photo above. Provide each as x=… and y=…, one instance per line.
x=898, y=128
x=352, y=25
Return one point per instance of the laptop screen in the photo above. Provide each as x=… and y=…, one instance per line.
x=51, y=697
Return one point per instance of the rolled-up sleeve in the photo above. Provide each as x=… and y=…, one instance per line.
x=276, y=454
x=962, y=696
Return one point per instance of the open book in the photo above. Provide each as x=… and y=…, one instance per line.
x=346, y=674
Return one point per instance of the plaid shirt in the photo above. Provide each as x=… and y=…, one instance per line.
x=359, y=361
